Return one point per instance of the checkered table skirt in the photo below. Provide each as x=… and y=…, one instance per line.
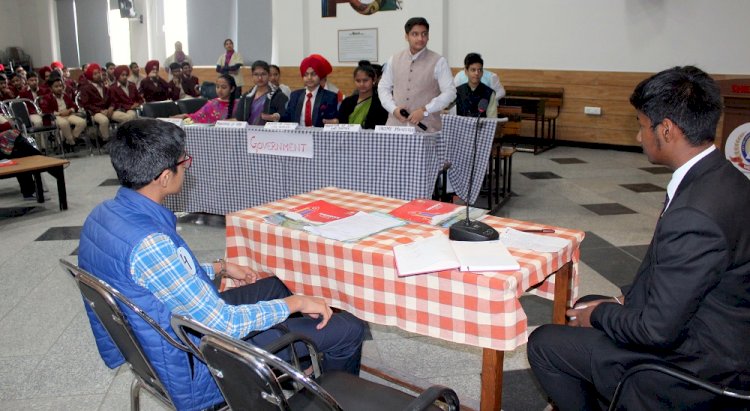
x=459, y=140
x=464, y=307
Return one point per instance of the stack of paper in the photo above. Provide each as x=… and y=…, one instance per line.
x=358, y=226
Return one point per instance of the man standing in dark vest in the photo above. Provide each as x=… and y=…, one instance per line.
x=417, y=80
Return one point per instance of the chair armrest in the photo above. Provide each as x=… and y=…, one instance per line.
x=288, y=340
x=432, y=394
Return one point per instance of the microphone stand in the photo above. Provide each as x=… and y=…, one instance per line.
x=468, y=230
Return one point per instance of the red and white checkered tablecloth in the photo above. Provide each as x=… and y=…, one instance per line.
x=477, y=309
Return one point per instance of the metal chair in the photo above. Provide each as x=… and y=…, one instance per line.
x=157, y=109
x=18, y=110
x=191, y=105
x=89, y=125
x=250, y=377
x=729, y=399
x=103, y=300
x=208, y=90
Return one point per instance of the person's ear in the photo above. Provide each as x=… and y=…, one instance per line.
x=164, y=177
x=668, y=129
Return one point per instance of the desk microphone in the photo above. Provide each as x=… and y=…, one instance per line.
x=406, y=114
x=468, y=230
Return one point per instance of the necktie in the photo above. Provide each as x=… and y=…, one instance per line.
x=308, y=111
x=666, y=202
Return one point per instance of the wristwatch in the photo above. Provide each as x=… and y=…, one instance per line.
x=223, y=271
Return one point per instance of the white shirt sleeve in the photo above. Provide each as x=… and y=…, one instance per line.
x=447, y=94
x=495, y=85
x=385, y=88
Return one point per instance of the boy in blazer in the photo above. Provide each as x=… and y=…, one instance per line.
x=311, y=106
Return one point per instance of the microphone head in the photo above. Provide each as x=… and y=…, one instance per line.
x=483, y=103
x=404, y=112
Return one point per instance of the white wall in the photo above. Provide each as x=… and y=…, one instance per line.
x=31, y=25
x=609, y=35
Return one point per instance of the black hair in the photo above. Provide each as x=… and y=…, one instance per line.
x=687, y=96
x=175, y=66
x=364, y=66
x=416, y=21
x=31, y=74
x=132, y=63
x=186, y=63
x=262, y=64
x=3, y=77
x=274, y=66
x=143, y=148
x=108, y=64
x=52, y=80
x=378, y=69
x=473, y=58
x=84, y=65
x=227, y=40
x=232, y=97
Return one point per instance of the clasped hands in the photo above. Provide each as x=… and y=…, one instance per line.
x=580, y=314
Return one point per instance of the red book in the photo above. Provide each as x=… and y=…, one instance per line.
x=7, y=162
x=426, y=211
x=319, y=211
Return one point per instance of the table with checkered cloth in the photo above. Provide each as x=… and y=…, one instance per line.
x=224, y=177
x=458, y=133
x=464, y=307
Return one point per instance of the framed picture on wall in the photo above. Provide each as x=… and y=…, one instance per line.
x=365, y=7
x=358, y=44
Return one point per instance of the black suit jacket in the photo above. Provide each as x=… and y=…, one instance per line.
x=690, y=300
x=324, y=107
x=273, y=105
x=376, y=116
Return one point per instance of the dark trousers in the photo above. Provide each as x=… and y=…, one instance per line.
x=579, y=368
x=340, y=340
x=22, y=148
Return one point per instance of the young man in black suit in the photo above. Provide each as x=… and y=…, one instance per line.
x=312, y=105
x=688, y=304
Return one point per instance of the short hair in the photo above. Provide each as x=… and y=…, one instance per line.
x=53, y=80
x=142, y=148
x=3, y=77
x=364, y=66
x=274, y=66
x=687, y=96
x=108, y=64
x=262, y=64
x=133, y=64
x=416, y=21
x=473, y=58
x=186, y=64
x=31, y=75
x=175, y=66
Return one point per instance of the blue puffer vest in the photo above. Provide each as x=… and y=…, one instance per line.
x=110, y=233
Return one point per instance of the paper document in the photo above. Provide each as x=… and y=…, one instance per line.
x=527, y=241
x=358, y=226
x=438, y=253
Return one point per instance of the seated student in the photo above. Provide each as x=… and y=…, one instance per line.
x=311, y=106
x=109, y=74
x=94, y=98
x=64, y=73
x=135, y=76
x=274, y=77
x=176, y=91
x=264, y=102
x=489, y=78
x=324, y=83
x=132, y=243
x=153, y=87
x=14, y=145
x=44, y=74
x=64, y=109
x=469, y=95
x=31, y=92
x=5, y=91
x=363, y=107
x=190, y=83
x=20, y=71
x=218, y=108
x=124, y=96
x=82, y=77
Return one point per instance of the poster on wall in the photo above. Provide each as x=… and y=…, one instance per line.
x=356, y=45
x=365, y=7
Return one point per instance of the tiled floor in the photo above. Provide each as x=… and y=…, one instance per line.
x=49, y=361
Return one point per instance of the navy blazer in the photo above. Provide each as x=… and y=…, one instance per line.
x=324, y=107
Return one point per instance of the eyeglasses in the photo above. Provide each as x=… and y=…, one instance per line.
x=261, y=74
x=186, y=162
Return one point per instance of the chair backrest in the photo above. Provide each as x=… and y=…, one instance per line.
x=208, y=90
x=246, y=375
x=156, y=109
x=191, y=105
x=20, y=112
x=103, y=301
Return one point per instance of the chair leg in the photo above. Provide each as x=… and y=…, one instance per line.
x=135, y=395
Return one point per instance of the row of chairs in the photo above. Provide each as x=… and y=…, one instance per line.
x=249, y=377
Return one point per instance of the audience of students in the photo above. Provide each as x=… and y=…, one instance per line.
x=176, y=91
x=5, y=92
x=135, y=76
x=109, y=75
x=218, y=108
x=230, y=62
x=363, y=107
x=312, y=106
x=190, y=83
x=32, y=92
x=264, y=102
x=94, y=98
x=20, y=71
x=153, y=87
x=57, y=102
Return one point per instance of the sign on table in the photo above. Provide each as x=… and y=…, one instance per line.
x=280, y=144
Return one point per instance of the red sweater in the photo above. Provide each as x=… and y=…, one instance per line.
x=122, y=101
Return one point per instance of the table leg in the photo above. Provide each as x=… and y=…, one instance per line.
x=492, y=380
x=59, y=174
x=562, y=292
x=39, y=187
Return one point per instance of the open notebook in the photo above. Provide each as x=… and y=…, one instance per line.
x=438, y=253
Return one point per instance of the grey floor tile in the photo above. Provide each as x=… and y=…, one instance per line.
x=540, y=175
x=644, y=188
x=657, y=170
x=538, y=310
x=110, y=182
x=522, y=392
x=637, y=251
x=57, y=403
x=612, y=263
x=61, y=233
x=568, y=160
x=609, y=209
x=593, y=241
